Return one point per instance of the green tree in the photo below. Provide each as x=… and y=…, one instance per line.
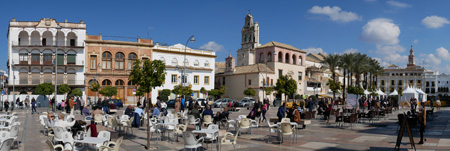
x=222, y=90
x=187, y=90
x=286, y=85
x=164, y=95
x=177, y=90
x=249, y=92
x=150, y=75
x=334, y=86
x=64, y=89
x=95, y=87
x=203, y=91
x=332, y=62
x=269, y=90
x=108, y=91
x=45, y=89
x=77, y=92
x=217, y=92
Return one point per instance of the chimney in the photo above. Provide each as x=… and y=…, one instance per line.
x=14, y=19
x=81, y=22
x=65, y=21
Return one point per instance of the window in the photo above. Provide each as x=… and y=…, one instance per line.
x=280, y=57
x=44, y=41
x=184, y=79
x=411, y=82
x=399, y=82
x=427, y=84
x=299, y=75
x=223, y=80
x=269, y=57
x=119, y=60
x=186, y=62
x=131, y=59
x=174, y=79
x=249, y=82
x=47, y=57
x=196, y=79
x=72, y=42
x=119, y=83
x=261, y=58
x=206, y=80
x=432, y=85
x=106, y=60
x=106, y=83
x=271, y=81
x=71, y=58
x=419, y=81
x=206, y=64
x=93, y=60
x=300, y=60
x=382, y=82
x=23, y=58
x=196, y=63
x=35, y=58
x=280, y=72
x=174, y=61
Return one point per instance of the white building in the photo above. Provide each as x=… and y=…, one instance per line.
x=31, y=55
x=200, y=66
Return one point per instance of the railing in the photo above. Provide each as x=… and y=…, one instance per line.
x=47, y=44
x=75, y=82
x=23, y=81
x=76, y=62
x=35, y=81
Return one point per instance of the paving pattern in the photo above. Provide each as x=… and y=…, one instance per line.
x=379, y=135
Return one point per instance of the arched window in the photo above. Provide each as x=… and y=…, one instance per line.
x=120, y=59
x=206, y=64
x=294, y=59
x=119, y=83
x=131, y=58
x=130, y=83
x=269, y=57
x=163, y=60
x=196, y=63
x=280, y=57
x=261, y=58
x=106, y=60
x=23, y=38
x=286, y=58
x=300, y=61
x=106, y=82
x=174, y=61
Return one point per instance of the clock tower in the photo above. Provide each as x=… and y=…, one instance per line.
x=411, y=62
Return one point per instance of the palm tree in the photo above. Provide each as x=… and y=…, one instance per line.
x=346, y=64
x=332, y=62
x=360, y=61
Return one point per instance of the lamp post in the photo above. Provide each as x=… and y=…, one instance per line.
x=58, y=28
x=14, y=84
x=95, y=80
x=183, y=80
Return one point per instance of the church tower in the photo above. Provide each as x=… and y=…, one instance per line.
x=250, y=40
x=411, y=62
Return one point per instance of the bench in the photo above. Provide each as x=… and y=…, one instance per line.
x=304, y=123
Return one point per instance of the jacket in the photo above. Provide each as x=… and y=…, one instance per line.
x=296, y=117
x=177, y=106
x=71, y=103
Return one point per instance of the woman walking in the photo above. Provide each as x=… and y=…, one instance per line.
x=33, y=106
x=264, y=110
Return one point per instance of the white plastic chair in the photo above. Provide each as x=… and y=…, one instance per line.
x=244, y=124
x=179, y=129
x=286, y=129
x=285, y=120
x=58, y=134
x=116, y=145
x=229, y=139
x=103, y=134
x=212, y=137
x=98, y=118
x=193, y=120
x=68, y=141
x=207, y=119
x=190, y=141
x=70, y=118
x=14, y=133
x=273, y=128
x=54, y=147
x=170, y=128
x=6, y=144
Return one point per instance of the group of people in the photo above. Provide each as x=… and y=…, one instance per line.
x=19, y=103
x=259, y=108
x=376, y=103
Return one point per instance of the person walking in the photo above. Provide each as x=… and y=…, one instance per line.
x=72, y=105
x=33, y=106
x=52, y=102
x=27, y=101
x=264, y=110
x=6, y=105
x=105, y=105
x=422, y=122
x=438, y=104
x=281, y=112
x=78, y=105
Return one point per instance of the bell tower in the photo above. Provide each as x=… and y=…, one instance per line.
x=411, y=59
x=249, y=41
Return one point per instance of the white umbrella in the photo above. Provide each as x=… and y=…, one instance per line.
x=394, y=93
x=366, y=92
x=380, y=92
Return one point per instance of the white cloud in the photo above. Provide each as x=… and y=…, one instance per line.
x=398, y=4
x=335, y=13
x=416, y=41
x=443, y=53
x=435, y=21
x=212, y=46
x=389, y=49
x=313, y=50
x=351, y=50
x=380, y=31
x=397, y=59
x=430, y=60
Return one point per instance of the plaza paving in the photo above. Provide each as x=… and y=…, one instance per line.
x=379, y=135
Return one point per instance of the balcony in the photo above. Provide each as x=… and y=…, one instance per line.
x=18, y=62
x=46, y=44
x=34, y=82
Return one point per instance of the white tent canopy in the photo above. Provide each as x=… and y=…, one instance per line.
x=408, y=93
x=394, y=93
x=380, y=92
x=366, y=92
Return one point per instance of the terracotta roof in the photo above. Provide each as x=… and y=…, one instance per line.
x=254, y=68
x=220, y=67
x=322, y=54
x=277, y=44
x=392, y=65
x=317, y=57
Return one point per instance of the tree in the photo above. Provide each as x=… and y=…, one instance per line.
x=203, y=91
x=177, y=90
x=95, y=87
x=44, y=89
x=286, y=85
x=164, y=95
x=108, y=91
x=217, y=92
x=152, y=74
x=63, y=89
x=346, y=64
x=249, y=92
x=187, y=90
x=334, y=86
x=331, y=62
x=269, y=90
x=222, y=90
x=77, y=92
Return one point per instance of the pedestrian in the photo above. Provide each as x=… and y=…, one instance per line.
x=295, y=114
x=274, y=102
x=26, y=103
x=6, y=105
x=264, y=110
x=281, y=112
x=183, y=105
x=78, y=105
x=17, y=102
x=52, y=102
x=105, y=105
x=33, y=106
x=422, y=122
x=177, y=106
x=72, y=105
x=438, y=104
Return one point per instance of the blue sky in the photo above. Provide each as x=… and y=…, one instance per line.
x=379, y=28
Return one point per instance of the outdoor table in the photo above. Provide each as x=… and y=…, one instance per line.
x=91, y=140
x=209, y=131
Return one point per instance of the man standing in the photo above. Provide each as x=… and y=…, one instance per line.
x=422, y=121
x=105, y=105
x=6, y=105
x=33, y=106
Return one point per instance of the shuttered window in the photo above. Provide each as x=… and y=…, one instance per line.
x=71, y=58
x=60, y=59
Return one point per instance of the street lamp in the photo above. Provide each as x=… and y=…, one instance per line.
x=58, y=28
x=183, y=80
x=14, y=84
x=95, y=80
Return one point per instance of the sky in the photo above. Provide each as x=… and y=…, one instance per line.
x=383, y=29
